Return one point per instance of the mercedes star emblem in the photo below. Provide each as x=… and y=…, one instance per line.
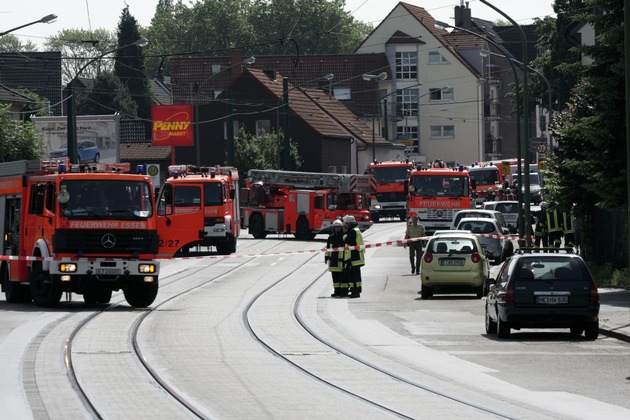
x=108, y=240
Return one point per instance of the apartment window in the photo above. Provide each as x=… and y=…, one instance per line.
x=407, y=65
x=263, y=127
x=410, y=138
x=442, y=131
x=342, y=94
x=408, y=100
x=436, y=58
x=441, y=94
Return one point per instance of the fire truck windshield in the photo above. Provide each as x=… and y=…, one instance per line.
x=385, y=174
x=107, y=199
x=440, y=185
x=485, y=176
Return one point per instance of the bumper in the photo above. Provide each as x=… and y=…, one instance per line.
x=216, y=231
x=105, y=269
x=547, y=317
x=450, y=278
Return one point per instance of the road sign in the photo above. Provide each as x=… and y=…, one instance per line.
x=153, y=170
x=505, y=168
x=541, y=147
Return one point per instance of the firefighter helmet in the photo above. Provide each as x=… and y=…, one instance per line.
x=337, y=223
x=349, y=219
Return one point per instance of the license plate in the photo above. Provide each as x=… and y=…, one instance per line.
x=459, y=262
x=108, y=271
x=552, y=299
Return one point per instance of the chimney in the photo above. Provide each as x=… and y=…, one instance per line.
x=463, y=16
x=236, y=63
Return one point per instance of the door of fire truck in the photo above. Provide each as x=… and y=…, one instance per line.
x=180, y=217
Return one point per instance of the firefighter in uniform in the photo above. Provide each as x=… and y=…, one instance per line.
x=353, y=258
x=554, y=226
x=414, y=230
x=569, y=230
x=540, y=232
x=491, y=196
x=335, y=260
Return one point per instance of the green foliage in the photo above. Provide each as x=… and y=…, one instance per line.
x=262, y=152
x=78, y=46
x=605, y=276
x=262, y=27
x=129, y=65
x=18, y=139
x=40, y=108
x=11, y=43
x=107, y=96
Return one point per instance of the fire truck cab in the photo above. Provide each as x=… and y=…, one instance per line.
x=390, y=198
x=303, y=203
x=199, y=206
x=91, y=230
x=437, y=194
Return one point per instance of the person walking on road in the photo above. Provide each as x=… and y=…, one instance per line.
x=354, y=259
x=335, y=260
x=414, y=230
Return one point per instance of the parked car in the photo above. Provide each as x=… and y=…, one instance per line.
x=87, y=150
x=543, y=290
x=453, y=262
x=509, y=209
x=493, y=214
x=498, y=246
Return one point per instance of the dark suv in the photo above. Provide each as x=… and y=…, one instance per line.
x=539, y=288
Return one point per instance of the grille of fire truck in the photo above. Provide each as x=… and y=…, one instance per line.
x=391, y=196
x=440, y=214
x=91, y=241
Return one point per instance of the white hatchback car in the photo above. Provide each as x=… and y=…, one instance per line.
x=499, y=247
x=509, y=209
x=492, y=214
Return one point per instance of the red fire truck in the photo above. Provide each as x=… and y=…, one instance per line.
x=390, y=199
x=89, y=231
x=486, y=176
x=437, y=194
x=303, y=203
x=199, y=206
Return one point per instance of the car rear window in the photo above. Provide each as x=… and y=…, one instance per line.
x=507, y=207
x=478, y=227
x=452, y=245
x=557, y=269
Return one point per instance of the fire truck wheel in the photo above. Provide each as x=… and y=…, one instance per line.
x=257, y=227
x=228, y=247
x=375, y=217
x=141, y=295
x=14, y=292
x=302, y=231
x=46, y=292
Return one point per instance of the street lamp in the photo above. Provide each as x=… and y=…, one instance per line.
x=46, y=19
x=374, y=78
x=526, y=193
x=521, y=221
x=72, y=104
x=230, y=127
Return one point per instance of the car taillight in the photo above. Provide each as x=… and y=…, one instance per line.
x=475, y=257
x=594, y=292
x=428, y=257
x=509, y=293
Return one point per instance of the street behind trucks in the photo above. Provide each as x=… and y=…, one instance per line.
x=303, y=203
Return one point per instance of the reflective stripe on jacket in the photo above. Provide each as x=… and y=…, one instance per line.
x=354, y=238
x=335, y=258
x=567, y=221
x=553, y=222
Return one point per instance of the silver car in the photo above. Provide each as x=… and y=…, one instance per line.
x=491, y=235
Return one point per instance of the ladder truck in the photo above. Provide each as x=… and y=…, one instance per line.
x=199, y=206
x=89, y=229
x=303, y=203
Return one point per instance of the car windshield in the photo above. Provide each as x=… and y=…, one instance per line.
x=551, y=268
x=507, y=207
x=451, y=245
x=485, y=176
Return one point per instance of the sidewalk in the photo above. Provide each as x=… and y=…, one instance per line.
x=614, y=313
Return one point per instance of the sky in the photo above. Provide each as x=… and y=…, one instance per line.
x=93, y=14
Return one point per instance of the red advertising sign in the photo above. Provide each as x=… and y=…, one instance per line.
x=172, y=125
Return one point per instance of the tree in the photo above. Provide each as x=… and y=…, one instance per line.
x=11, y=43
x=78, y=46
x=41, y=106
x=107, y=96
x=129, y=65
x=18, y=139
x=262, y=152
